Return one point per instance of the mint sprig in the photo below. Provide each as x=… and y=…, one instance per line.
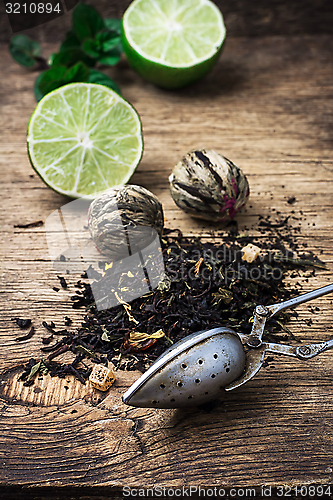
x=87, y=22
x=26, y=52
x=91, y=41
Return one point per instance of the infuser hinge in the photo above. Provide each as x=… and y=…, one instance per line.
x=260, y=315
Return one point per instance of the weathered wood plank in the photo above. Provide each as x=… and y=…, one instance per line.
x=267, y=107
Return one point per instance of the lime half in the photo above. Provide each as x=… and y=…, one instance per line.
x=172, y=42
x=83, y=139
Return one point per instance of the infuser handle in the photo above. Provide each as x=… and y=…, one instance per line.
x=255, y=357
x=304, y=352
x=310, y=350
x=262, y=313
x=276, y=308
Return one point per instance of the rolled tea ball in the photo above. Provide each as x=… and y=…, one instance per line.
x=123, y=221
x=207, y=185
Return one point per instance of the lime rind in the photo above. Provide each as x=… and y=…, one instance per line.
x=84, y=139
x=164, y=76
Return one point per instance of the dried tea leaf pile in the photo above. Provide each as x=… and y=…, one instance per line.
x=206, y=284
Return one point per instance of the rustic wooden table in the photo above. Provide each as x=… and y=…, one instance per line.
x=267, y=106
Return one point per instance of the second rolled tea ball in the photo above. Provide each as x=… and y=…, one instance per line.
x=207, y=185
x=124, y=221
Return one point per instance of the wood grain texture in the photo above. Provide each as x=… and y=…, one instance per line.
x=268, y=107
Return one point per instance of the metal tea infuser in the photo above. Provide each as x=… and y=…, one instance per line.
x=198, y=368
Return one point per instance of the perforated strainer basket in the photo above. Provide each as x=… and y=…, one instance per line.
x=199, y=368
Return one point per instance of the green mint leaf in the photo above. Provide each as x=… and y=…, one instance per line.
x=113, y=25
x=57, y=76
x=105, y=48
x=111, y=44
x=110, y=58
x=69, y=57
x=38, y=93
x=107, y=40
x=51, y=79
x=24, y=50
x=91, y=48
x=99, y=77
x=110, y=40
x=86, y=21
x=77, y=73
x=71, y=41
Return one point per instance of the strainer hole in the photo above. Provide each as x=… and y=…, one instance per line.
x=197, y=381
x=180, y=384
x=162, y=386
x=190, y=397
x=215, y=356
x=184, y=365
x=154, y=402
x=200, y=361
x=213, y=375
x=227, y=370
x=206, y=392
x=172, y=400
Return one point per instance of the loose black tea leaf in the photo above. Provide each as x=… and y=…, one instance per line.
x=38, y=223
x=28, y=336
x=53, y=347
x=68, y=321
x=50, y=327
x=206, y=284
x=54, y=354
x=271, y=225
x=63, y=282
x=47, y=340
x=305, y=262
x=77, y=374
x=22, y=323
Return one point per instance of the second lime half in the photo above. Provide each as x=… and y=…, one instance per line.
x=173, y=42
